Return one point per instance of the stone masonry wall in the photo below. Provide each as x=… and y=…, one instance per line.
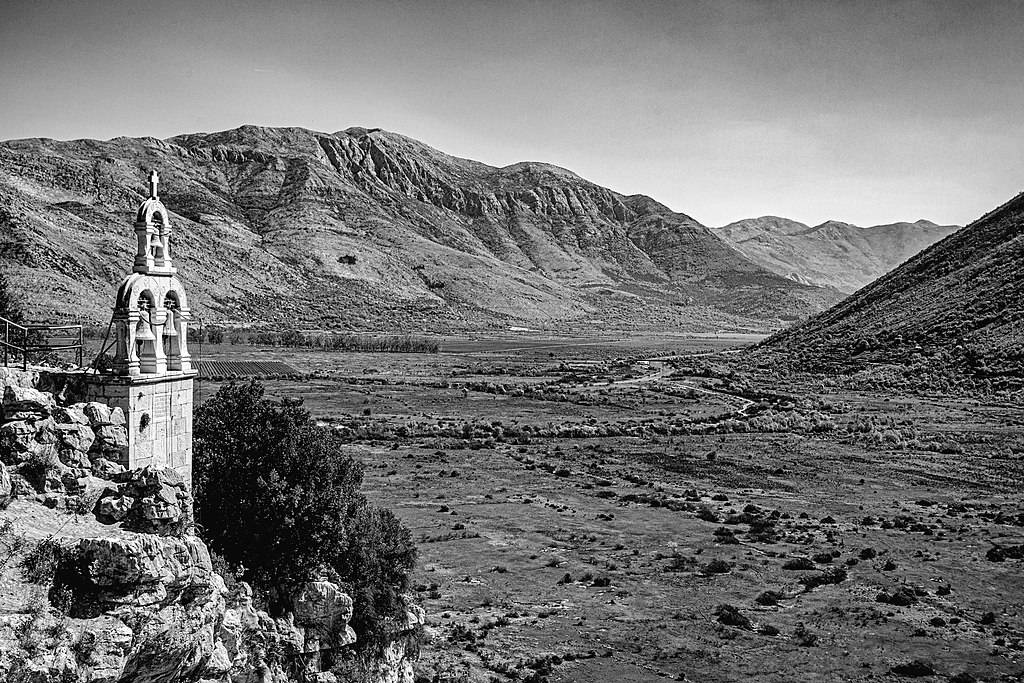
x=159, y=421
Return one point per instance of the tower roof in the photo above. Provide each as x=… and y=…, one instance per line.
x=150, y=208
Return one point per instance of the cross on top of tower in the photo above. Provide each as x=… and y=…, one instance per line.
x=153, y=180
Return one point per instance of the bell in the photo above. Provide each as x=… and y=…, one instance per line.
x=169, y=330
x=143, y=332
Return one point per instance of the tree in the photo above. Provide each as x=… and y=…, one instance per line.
x=275, y=494
x=9, y=307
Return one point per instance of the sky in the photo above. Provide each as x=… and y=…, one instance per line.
x=865, y=112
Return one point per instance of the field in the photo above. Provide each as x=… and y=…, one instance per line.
x=622, y=509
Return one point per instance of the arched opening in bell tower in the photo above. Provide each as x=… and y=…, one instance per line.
x=145, y=337
x=172, y=330
x=156, y=243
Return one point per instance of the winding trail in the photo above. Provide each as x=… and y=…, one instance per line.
x=662, y=371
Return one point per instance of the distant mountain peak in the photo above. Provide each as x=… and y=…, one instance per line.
x=538, y=167
x=833, y=253
x=358, y=131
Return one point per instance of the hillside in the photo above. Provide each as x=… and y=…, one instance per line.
x=366, y=229
x=958, y=304
x=832, y=254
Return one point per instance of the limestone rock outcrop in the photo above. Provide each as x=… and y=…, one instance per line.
x=25, y=402
x=54, y=446
x=6, y=488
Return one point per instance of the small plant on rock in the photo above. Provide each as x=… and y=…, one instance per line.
x=39, y=565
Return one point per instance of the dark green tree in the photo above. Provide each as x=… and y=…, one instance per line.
x=275, y=494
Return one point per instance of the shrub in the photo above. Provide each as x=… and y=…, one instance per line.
x=804, y=637
x=731, y=616
x=331, y=341
x=829, y=576
x=798, y=563
x=9, y=306
x=212, y=335
x=274, y=494
x=716, y=567
x=901, y=597
x=39, y=565
x=11, y=541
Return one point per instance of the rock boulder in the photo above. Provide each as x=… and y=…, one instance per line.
x=75, y=436
x=19, y=401
x=16, y=439
x=323, y=611
x=71, y=415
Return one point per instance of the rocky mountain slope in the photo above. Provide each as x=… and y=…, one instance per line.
x=832, y=254
x=960, y=303
x=365, y=228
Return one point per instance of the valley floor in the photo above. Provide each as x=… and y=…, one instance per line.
x=585, y=516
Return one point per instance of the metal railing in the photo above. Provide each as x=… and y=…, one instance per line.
x=39, y=338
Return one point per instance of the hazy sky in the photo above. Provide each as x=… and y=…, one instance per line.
x=867, y=112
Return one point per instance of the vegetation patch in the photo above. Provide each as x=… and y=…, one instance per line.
x=276, y=494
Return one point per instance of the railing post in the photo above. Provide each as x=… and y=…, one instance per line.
x=11, y=347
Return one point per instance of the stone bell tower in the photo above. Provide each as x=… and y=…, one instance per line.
x=150, y=377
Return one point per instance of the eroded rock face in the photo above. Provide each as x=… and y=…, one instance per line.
x=72, y=415
x=161, y=501
x=16, y=440
x=75, y=436
x=162, y=589
x=6, y=488
x=13, y=377
x=21, y=401
x=107, y=469
x=324, y=611
x=97, y=413
x=141, y=608
x=142, y=562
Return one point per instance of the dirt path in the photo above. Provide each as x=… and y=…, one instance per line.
x=661, y=370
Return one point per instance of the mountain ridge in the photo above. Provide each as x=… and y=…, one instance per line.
x=959, y=304
x=377, y=226
x=833, y=253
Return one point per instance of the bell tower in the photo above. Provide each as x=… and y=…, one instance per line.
x=150, y=375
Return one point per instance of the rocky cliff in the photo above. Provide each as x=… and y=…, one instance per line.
x=364, y=228
x=105, y=580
